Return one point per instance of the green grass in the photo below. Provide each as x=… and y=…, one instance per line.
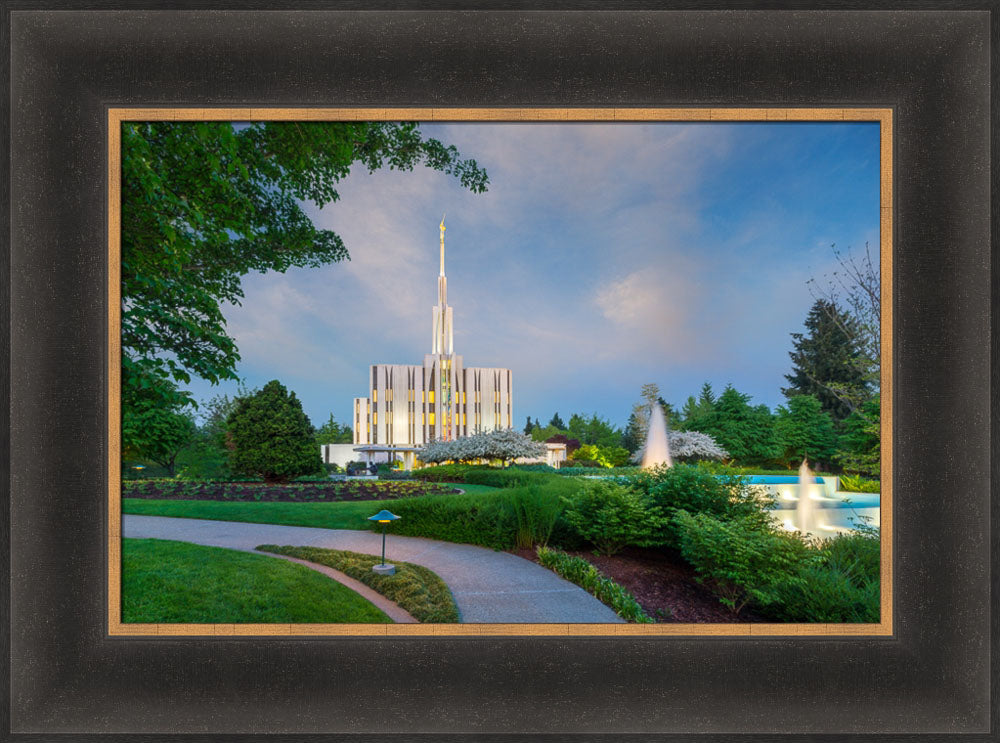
x=415, y=588
x=338, y=515
x=334, y=515
x=167, y=581
x=473, y=488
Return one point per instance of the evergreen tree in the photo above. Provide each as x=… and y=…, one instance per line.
x=528, y=426
x=271, y=436
x=332, y=432
x=745, y=431
x=861, y=441
x=557, y=422
x=804, y=430
x=827, y=363
x=633, y=437
x=698, y=413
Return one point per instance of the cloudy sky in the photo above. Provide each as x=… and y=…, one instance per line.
x=602, y=257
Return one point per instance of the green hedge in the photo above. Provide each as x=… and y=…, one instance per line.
x=582, y=573
x=520, y=516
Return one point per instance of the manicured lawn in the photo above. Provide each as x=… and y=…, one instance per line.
x=167, y=581
x=415, y=588
x=339, y=515
x=334, y=515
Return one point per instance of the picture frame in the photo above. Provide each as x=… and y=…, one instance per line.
x=68, y=675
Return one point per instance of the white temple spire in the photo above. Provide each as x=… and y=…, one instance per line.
x=443, y=342
x=442, y=245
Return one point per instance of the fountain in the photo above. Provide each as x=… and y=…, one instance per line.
x=657, y=448
x=805, y=508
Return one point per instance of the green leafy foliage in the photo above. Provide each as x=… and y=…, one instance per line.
x=535, y=511
x=271, y=436
x=417, y=590
x=158, y=432
x=861, y=440
x=858, y=484
x=611, y=516
x=804, y=430
x=582, y=573
x=842, y=583
x=696, y=489
x=204, y=203
x=743, y=430
x=332, y=432
x=740, y=560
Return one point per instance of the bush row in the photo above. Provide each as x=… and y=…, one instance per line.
x=582, y=573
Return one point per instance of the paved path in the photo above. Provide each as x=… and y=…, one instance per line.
x=488, y=586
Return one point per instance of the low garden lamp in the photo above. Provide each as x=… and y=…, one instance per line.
x=384, y=517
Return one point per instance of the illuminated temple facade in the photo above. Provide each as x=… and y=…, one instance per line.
x=441, y=399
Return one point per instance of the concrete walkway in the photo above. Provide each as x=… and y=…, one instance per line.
x=488, y=586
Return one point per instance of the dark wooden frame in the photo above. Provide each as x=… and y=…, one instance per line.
x=931, y=677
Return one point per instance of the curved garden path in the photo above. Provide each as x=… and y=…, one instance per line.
x=488, y=586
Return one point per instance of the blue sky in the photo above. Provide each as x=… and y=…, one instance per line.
x=603, y=257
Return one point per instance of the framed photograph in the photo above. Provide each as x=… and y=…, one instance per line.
x=136, y=605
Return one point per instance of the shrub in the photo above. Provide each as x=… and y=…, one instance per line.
x=443, y=473
x=858, y=484
x=582, y=573
x=575, y=469
x=464, y=518
x=271, y=436
x=821, y=593
x=741, y=560
x=611, y=516
x=535, y=468
x=535, y=511
x=695, y=489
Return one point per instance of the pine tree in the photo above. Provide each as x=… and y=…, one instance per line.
x=557, y=422
x=827, y=363
x=528, y=427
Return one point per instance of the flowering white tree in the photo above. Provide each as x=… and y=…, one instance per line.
x=690, y=445
x=505, y=445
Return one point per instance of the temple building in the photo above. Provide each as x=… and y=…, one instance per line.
x=410, y=405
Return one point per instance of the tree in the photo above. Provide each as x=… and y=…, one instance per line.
x=745, y=431
x=826, y=362
x=557, y=423
x=271, y=436
x=861, y=441
x=204, y=203
x=857, y=285
x=634, y=436
x=804, y=430
x=503, y=444
x=528, y=427
x=697, y=412
x=332, y=432
x=157, y=433
x=594, y=430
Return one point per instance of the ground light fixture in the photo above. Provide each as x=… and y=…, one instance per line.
x=384, y=517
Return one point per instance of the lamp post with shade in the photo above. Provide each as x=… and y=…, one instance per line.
x=384, y=517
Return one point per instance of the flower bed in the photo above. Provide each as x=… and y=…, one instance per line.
x=351, y=490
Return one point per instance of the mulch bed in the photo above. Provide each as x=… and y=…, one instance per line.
x=359, y=490
x=663, y=584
